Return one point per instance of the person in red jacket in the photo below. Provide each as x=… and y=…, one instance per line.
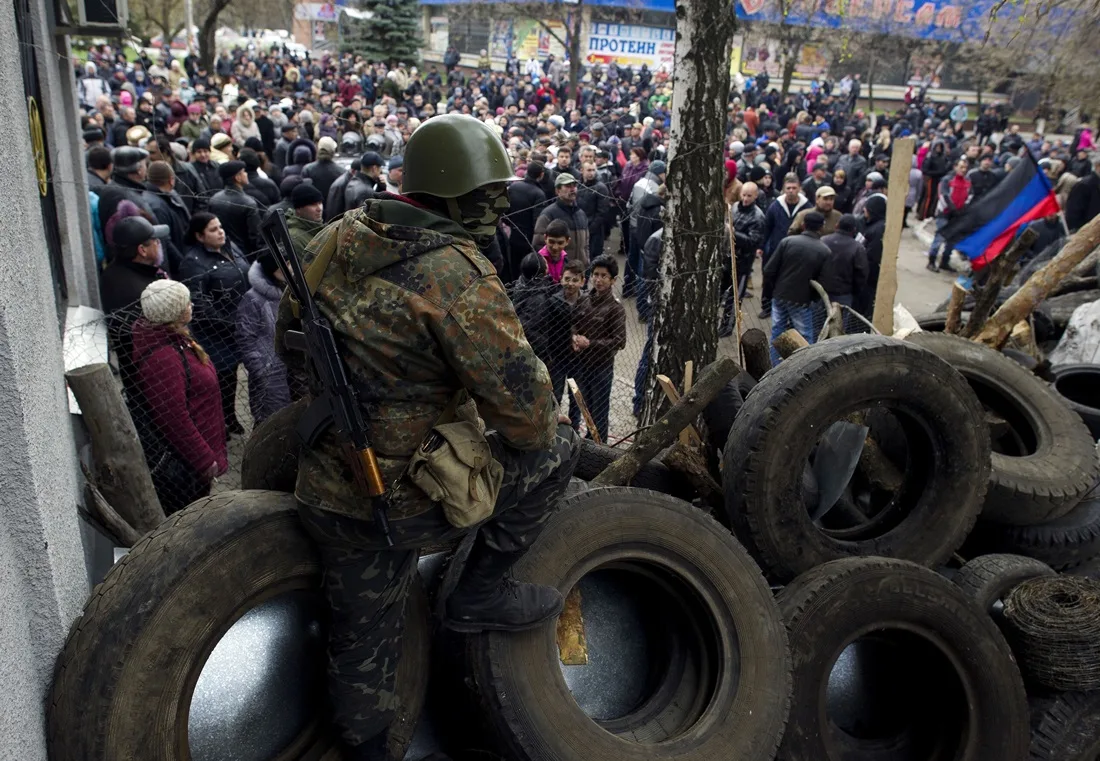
x=186, y=451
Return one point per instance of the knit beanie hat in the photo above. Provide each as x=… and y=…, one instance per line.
x=164, y=301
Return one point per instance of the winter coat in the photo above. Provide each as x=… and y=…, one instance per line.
x=334, y=203
x=602, y=320
x=183, y=399
x=239, y=214
x=360, y=189
x=169, y=209
x=268, y=388
x=244, y=126
x=119, y=189
x=949, y=204
x=873, y=230
x=795, y=262
x=1083, y=203
x=208, y=174
x=644, y=187
x=594, y=199
x=777, y=221
x=301, y=231
x=530, y=297
x=525, y=201
x=577, y=222
x=217, y=281
x=831, y=220
x=855, y=167
x=845, y=269
x=748, y=229
x=648, y=218
x=266, y=192
x=981, y=182
x=651, y=255
x=631, y=174
x=322, y=172
x=916, y=179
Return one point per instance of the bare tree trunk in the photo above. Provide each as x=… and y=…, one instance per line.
x=871, y=80
x=791, y=50
x=206, y=33
x=686, y=319
x=575, y=35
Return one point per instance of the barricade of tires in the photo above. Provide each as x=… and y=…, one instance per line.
x=813, y=620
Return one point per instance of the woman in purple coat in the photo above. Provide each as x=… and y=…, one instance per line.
x=268, y=386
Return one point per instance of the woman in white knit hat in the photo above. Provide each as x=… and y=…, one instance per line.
x=186, y=449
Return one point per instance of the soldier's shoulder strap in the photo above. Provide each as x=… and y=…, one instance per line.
x=315, y=272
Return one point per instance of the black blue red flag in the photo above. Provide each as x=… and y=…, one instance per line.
x=985, y=228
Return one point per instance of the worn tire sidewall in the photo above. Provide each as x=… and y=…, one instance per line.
x=813, y=389
x=535, y=717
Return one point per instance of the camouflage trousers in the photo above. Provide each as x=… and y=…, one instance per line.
x=366, y=583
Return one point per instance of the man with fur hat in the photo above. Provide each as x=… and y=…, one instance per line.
x=129, y=166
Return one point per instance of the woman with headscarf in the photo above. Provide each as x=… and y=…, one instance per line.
x=244, y=126
x=185, y=446
x=843, y=201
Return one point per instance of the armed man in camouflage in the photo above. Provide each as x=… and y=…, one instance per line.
x=421, y=315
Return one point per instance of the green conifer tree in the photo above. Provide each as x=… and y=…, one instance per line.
x=393, y=34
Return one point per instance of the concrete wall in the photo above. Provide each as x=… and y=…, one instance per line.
x=43, y=577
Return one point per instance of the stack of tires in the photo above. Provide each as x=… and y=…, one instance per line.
x=814, y=619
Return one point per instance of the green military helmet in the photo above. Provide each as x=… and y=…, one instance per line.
x=453, y=154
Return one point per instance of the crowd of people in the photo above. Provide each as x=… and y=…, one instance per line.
x=183, y=164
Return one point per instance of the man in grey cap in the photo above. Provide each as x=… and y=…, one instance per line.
x=565, y=208
x=795, y=262
x=127, y=182
x=238, y=212
x=394, y=175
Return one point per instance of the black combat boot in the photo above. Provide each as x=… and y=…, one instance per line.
x=487, y=598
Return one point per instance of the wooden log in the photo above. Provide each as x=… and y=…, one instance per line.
x=690, y=462
x=652, y=440
x=1000, y=274
x=754, y=348
x=120, y=471
x=123, y=532
x=955, y=308
x=788, y=342
x=1020, y=304
x=901, y=161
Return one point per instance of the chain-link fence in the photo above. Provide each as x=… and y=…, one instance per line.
x=187, y=405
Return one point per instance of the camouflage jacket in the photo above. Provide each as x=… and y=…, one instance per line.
x=301, y=231
x=422, y=315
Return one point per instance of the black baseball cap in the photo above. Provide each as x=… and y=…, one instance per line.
x=134, y=231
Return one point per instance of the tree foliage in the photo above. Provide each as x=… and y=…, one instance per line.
x=393, y=34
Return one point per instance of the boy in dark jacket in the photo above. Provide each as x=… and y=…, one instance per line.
x=599, y=334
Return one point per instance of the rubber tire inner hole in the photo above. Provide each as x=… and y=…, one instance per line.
x=654, y=655
x=893, y=694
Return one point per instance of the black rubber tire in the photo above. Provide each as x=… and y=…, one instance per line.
x=1079, y=388
x=530, y=711
x=721, y=412
x=838, y=602
x=122, y=683
x=654, y=475
x=1046, y=484
x=270, y=459
x=775, y=432
x=1063, y=544
x=1066, y=727
x=988, y=578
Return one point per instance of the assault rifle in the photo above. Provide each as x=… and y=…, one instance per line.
x=336, y=398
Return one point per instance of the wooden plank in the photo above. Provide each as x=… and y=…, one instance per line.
x=578, y=397
x=900, y=163
x=689, y=433
x=689, y=375
x=955, y=308
x=788, y=342
x=656, y=437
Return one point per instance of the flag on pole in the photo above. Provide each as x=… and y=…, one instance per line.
x=985, y=228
